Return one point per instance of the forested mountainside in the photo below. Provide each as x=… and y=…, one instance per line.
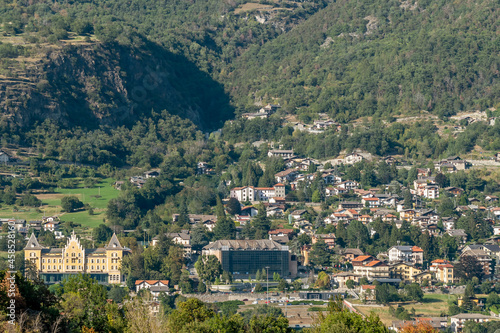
x=110, y=84
x=346, y=58
x=363, y=58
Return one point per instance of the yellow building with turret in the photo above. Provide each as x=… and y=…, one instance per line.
x=55, y=264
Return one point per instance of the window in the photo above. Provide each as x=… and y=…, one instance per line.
x=92, y=267
x=43, y=260
x=48, y=267
x=79, y=267
x=60, y=261
x=103, y=261
x=97, y=260
x=79, y=254
x=43, y=266
x=92, y=260
x=67, y=260
x=59, y=266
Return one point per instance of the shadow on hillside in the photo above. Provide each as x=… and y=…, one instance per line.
x=112, y=84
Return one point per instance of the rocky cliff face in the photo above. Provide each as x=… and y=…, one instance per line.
x=92, y=85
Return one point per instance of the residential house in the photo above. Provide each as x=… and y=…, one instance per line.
x=4, y=157
x=350, y=253
x=252, y=194
x=424, y=275
x=456, y=191
x=460, y=234
x=443, y=271
x=182, y=238
x=298, y=214
x=285, y=154
x=431, y=192
x=458, y=321
x=481, y=256
x=343, y=277
x=353, y=158
x=348, y=185
x=370, y=202
x=367, y=292
x=404, y=271
x=423, y=173
x=147, y=284
x=329, y=239
x=274, y=211
x=249, y=211
x=374, y=269
x=412, y=254
x=286, y=176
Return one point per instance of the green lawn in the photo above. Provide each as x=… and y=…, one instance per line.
x=432, y=306
x=97, y=197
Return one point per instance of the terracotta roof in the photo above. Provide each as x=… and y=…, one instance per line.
x=373, y=263
x=438, y=261
x=279, y=184
x=370, y=199
x=416, y=249
x=361, y=258
x=151, y=282
x=281, y=231
x=367, y=286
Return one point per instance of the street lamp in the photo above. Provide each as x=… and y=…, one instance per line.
x=267, y=277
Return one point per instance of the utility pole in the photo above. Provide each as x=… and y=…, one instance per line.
x=267, y=277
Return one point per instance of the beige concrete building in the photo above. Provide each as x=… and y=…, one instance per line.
x=55, y=264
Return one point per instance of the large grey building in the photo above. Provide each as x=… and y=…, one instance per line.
x=246, y=257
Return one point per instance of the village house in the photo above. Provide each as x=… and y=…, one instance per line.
x=456, y=191
x=329, y=239
x=458, y=321
x=443, y=271
x=150, y=284
x=370, y=202
x=4, y=157
x=481, y=256
x=285, y=154
x=371, y=269
x=404, y=271
x=353, y=158
x=286, y=176
x=411, y=254
x=182, y=238
x=256, y=194
x=343, y=277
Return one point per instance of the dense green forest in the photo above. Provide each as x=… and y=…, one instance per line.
x=346, y=58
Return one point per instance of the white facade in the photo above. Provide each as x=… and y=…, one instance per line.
x=250, y=193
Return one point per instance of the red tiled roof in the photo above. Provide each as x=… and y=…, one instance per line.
x=367, y=286
x=416, y=249
x=361, y=258
x=373, y=263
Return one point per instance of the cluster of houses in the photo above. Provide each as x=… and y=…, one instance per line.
x=405, y=263
x=263, y=113
x=139, y=181
x=47, y=223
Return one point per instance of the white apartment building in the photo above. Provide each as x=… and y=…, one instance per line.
x=250, y=193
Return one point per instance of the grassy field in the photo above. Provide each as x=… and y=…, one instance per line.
x=432, y=306
x=97, y=197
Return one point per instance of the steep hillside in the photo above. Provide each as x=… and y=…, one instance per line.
x=358, y=58
x=92, y=84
